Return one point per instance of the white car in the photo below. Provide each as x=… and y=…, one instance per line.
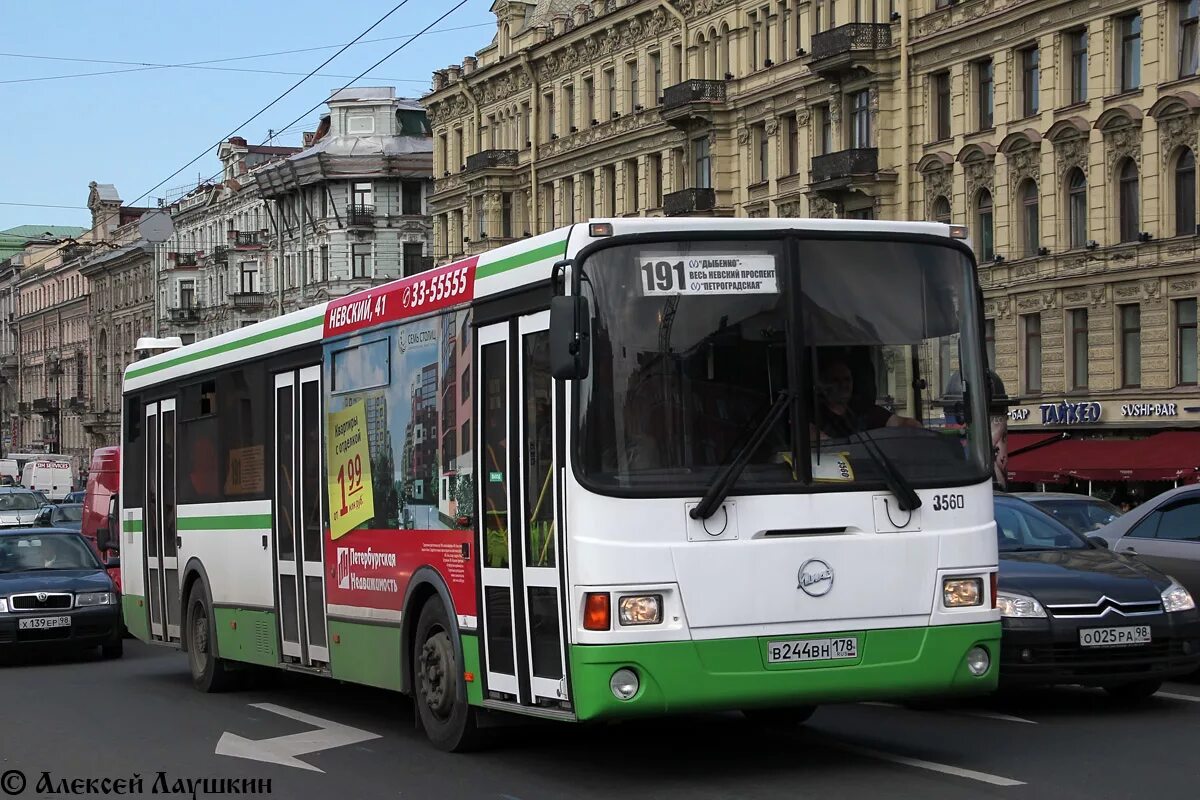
x=18, y=507
x=1164, y=532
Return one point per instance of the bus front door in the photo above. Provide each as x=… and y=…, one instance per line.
x=299, y=556
x=162, y=544
x=520, y=547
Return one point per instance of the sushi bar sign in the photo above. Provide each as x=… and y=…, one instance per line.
x=1067, y=413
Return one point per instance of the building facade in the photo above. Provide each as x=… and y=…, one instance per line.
x=216, y=272
x=350, y=210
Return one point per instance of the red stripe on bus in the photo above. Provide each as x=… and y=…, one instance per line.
x=434, y=289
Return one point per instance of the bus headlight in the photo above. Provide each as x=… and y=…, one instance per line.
x=642, y=609
x=962, y=592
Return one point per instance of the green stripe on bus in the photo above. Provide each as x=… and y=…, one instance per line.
x=224, y=523
x=257, y=338
x=521, y=259
x=132, y=526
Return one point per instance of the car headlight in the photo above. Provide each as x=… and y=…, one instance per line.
x=1177, y=598
x=645, y=609
x=94, y=599
x=962, y=592
x=3, y=606
x=1018, y=605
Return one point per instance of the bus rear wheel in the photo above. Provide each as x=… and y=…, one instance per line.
x=209, y=673
x=439, y=689
x=779, y=718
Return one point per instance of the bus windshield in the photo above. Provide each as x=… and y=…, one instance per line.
x=694, y=342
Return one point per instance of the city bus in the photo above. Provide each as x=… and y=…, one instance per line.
x=627, y=468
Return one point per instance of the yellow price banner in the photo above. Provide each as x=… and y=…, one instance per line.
x=351, y=492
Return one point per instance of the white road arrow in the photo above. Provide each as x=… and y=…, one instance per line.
x=284, y=749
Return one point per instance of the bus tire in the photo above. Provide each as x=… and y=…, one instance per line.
x=209, y=673
x=439, y=691
x=779, y=718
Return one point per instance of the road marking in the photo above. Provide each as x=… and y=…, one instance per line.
x=933, y=766
x=283, y=750
x=1172, y=696
x=961, y=711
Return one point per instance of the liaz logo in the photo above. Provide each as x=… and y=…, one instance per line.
x=815, y=578
x=343, y=567
x=368, y=560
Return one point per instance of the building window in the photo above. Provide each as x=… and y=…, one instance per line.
x=1079, y=348
x=1185, y=342
x=360, y=258
x=1078, y=41
x=610, y=190
x=362, y=196
x=791, y=150
x=631, y=85
x=1185, y=193
x=506, y=220
x=589, y=100
x=548, y=109
x=1030, y=80
x=1029, y=218
x=1189, y=47
x=187, y=294
x=410, y=197
x=989, y=341
x=324, y=256
x=825, y=139
x=654, y=180
x=1033, y=352
x=702, y=164
x=941, y=105
x=677, y=63
x=1131, y=51
x=762, y=146
x=610, y=90
x=656, y=75
x=587, y=195
x=569, y=107
x=983, y=221
x=1127, y=201
x=632, y=187
x=249, y=277
x=860, y=120
x=941, y=210
x=1131, y=346
x=1077, y=211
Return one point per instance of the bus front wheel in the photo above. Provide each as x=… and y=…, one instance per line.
x=439, y=689
x=209, y=673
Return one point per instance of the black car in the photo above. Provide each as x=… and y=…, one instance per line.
x=1074, y=612
x=63, y=515
x=54, y=591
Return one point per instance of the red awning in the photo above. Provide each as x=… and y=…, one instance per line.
x=1019, y=442
x=1168, y=456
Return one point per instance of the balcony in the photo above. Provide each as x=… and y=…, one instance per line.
x=98, y=421
x=359, y=215
x=185, y=315
x=246, y=239
x=858, y=44
x=248, y=301
x=689, y=202
x=24, y=407
x=220, y=252
x=490, y=159
x=8, y=365
x=45, y=405
x=182, y=259
x=692, y=98
x=77, y=403
x=843, y=167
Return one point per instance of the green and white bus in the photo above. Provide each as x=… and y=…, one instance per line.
x=627, y=468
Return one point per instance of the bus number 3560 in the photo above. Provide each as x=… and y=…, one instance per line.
x=948, y=502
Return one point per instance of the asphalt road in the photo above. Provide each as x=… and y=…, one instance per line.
x=81, y=718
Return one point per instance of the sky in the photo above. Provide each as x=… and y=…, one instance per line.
x=135, y=128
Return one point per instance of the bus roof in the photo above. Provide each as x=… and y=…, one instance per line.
x=502, y=269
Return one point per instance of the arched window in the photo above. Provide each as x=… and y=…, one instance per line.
x=716, y=45
x=504, y=40
x=1077, y=208
x=984, y=218
x=1185, y=193
x=724, y=59
x=1029, y=218
x=1128, y=200
x=940, y=212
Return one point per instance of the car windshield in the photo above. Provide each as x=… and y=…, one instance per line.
x=1021, y=526
x=70, y=513
x=44, y=551
x=694, y=343
x=19, y=501
x=1081, y=516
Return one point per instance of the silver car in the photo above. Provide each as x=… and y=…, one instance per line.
x=1164, y=532
x=18, y=507
x=1080, y=512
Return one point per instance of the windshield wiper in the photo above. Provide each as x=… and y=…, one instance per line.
x=719, y=489
x=897, y=484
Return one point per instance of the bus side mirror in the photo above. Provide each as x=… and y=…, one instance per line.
x=570, y=340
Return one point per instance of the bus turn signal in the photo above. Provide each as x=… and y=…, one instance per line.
x=596, y=615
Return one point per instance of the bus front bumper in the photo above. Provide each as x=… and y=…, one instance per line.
x=730, y=674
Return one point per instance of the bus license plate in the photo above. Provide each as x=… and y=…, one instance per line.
x=813, y=650
x=42, y=623
x=1114, y=637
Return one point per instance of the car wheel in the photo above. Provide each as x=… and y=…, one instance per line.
x=438, y=686
x=1139, y=690
x=779, y=718
x=114, y=650
x=209, y=673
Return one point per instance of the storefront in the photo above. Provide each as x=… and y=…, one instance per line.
x=1121, y=451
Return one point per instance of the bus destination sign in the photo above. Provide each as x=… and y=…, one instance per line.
x=409, y=297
